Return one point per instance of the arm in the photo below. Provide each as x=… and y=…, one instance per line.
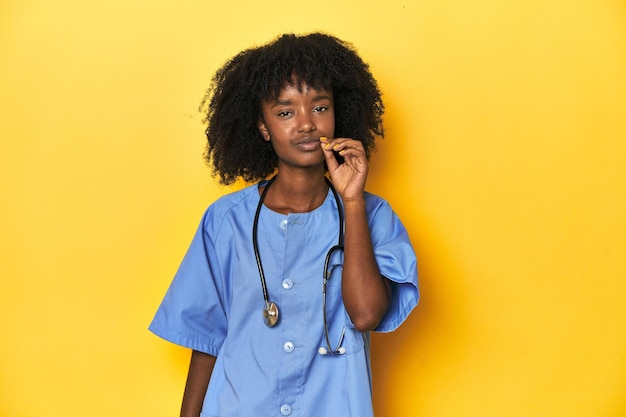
x=366, y=293
x=200, y=370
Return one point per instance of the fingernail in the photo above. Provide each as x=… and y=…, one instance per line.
x=323, y=138
x=327, y=146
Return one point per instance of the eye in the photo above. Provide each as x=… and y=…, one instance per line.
x=320, y=109
x=284, y=114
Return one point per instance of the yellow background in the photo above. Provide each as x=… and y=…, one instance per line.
x=505, y=156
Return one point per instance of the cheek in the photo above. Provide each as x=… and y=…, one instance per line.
x=329, y=126
x=331, y=121
x=272, y=130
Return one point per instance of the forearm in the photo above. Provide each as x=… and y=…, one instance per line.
x=200, y=370
x=366, y=293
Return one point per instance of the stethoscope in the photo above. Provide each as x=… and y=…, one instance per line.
x=270, y=310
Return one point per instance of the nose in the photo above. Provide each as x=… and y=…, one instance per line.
x=306, y=123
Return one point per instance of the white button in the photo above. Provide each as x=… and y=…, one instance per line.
x=287, y=284
x=283, y=225
x=288, y=347
x=285, y=409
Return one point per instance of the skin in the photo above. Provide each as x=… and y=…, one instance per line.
x=300, y=125
x=200, y=370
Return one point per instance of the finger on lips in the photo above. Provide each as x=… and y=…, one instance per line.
x=341, y=146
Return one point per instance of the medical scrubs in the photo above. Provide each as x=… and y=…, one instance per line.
x=215, y=303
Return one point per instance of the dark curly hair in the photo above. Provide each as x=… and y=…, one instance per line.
x=232, y=104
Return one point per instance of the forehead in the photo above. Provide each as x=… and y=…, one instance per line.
x=289, y=91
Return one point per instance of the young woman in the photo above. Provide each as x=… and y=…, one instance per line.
x=285, y=279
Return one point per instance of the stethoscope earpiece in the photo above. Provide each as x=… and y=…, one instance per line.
x=323, y=351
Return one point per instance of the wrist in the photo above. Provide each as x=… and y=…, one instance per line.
x=356, y=201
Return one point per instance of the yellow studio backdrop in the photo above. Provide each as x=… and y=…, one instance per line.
x=505, y=156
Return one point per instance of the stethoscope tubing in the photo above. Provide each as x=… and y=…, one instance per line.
x=270, y=311
x=255, y=242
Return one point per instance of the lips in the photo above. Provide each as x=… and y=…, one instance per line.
x=309, y=143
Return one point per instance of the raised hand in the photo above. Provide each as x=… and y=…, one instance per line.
x=350, y=176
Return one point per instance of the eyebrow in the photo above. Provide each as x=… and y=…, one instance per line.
x=316, y=98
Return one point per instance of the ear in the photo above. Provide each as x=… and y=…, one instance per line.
x=263, y=129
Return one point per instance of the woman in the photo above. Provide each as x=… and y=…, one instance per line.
x=285, y=279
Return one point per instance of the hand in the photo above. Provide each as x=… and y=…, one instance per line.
x=348, y=178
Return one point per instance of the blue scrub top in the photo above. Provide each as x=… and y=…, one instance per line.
x=215, y=303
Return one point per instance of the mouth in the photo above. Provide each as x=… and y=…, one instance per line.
x=308, y=143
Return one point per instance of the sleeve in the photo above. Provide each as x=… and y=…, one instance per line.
x=397, y=262
x=193, y=311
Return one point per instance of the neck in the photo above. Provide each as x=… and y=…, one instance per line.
x=296, y=193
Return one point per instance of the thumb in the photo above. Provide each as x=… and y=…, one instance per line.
x=329, y=155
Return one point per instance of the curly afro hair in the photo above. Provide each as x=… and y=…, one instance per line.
x=232, y=104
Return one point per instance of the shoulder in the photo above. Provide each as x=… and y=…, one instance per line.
x=237, y=204
x=374, y=203
x=380, y=214
x=231, y=200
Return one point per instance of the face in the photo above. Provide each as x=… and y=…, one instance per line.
x=294, y=122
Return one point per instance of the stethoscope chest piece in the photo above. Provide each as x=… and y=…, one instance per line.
x=270, y=314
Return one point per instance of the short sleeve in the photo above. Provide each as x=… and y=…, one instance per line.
x=397, y=262
x=193, y=312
